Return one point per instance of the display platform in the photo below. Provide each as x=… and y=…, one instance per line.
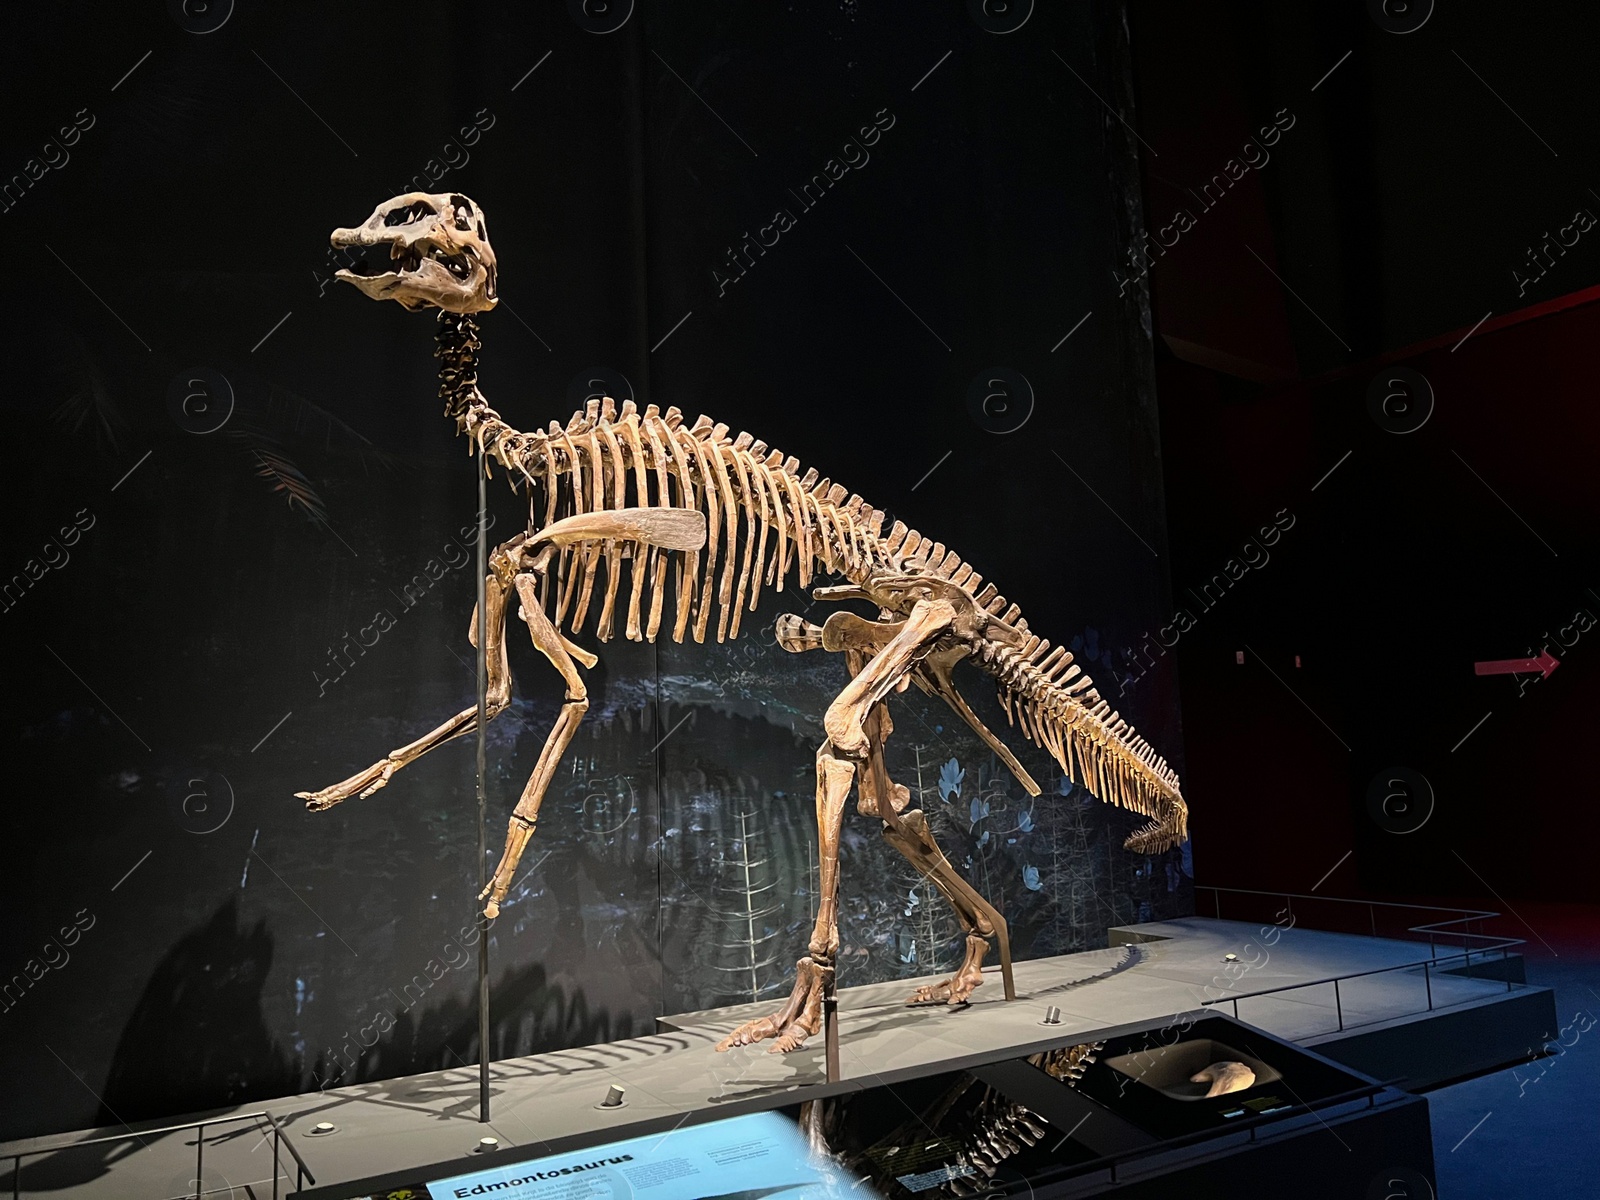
x=1124, y=1114
x=425, y=1125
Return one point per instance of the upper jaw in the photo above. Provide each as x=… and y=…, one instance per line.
x=427, y=273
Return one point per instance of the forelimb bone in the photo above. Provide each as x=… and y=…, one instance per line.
x=464, y=722
x=526, y=815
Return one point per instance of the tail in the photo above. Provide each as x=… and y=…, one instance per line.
x=1161, y=835
x=1058, y=709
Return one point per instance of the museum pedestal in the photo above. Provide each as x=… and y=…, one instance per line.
x=409, y=1130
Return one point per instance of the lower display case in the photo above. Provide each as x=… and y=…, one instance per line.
x=1202, y=1108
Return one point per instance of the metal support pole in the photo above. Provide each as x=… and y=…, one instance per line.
x=1428, y=983
x=483, y=797
x=199, y=1162
x=830, y=1033
x=1338, y=1008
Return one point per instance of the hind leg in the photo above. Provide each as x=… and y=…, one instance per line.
x=526, y=816
x=845, y=750
x=908, y=832
x=801, y=1016
x=912, y=837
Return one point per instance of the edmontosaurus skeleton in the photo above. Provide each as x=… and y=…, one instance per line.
x=635, y=499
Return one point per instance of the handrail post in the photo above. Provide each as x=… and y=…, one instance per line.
x=199, y=1162
x=277, y=1150
x=1338, y=1008
x=1427, y=982
x=16, y=1177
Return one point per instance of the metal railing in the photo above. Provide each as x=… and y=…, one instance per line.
x=302, y=1174
x=1433, y=931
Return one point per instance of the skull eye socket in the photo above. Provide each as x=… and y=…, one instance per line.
x=415, y=211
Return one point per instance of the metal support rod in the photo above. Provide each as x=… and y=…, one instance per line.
x=830, y=1033
x=1338, y=1007
x=1427, y=982
x=483, y=797
x=277, y=1149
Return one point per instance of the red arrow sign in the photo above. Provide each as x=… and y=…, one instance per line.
x=1544, y=664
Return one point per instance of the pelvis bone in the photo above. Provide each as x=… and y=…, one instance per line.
x=426, y=251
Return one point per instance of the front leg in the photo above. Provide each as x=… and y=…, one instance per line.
x=364, y=783
x=525, y=819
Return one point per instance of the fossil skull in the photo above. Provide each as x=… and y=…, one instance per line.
x=426, y=251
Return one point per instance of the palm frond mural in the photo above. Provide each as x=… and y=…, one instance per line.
x=286, y=479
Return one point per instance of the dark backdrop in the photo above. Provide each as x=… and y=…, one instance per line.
x=1432, y=208
x=197, y=568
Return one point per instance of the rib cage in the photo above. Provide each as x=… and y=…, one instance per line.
x=605, y=459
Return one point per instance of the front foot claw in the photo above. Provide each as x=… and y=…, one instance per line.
x=795, y=1022
x=365, y=782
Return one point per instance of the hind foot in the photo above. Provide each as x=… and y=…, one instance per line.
x=795, y=1021
x=967, y=979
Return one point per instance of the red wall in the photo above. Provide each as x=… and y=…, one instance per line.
x=1469, y=539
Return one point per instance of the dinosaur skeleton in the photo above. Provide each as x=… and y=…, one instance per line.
x=622, y=501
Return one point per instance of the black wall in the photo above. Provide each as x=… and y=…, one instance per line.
x=1428, y=159
x=207, y=642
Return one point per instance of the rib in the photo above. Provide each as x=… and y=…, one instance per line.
x=795, y=521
